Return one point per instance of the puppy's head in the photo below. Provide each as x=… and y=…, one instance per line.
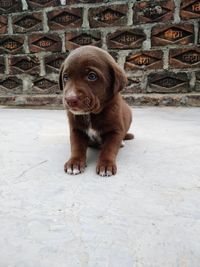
x=89, y=78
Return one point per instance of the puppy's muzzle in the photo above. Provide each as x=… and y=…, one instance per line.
x=72, y=101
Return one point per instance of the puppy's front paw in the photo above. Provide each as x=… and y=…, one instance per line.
x=74, y=166
x=106, y=168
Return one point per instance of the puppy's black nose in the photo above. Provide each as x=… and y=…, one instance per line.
x=72, y=101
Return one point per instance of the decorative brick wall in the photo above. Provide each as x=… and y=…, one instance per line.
x=157, y=42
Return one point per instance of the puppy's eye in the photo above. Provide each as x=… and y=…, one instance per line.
x=65, y=77
x=92, y=76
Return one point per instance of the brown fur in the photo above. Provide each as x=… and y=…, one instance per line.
x=94, y=104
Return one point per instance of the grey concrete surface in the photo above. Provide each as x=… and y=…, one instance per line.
x=148, y=215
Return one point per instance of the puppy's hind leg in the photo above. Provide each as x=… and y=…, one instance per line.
x=129, y=136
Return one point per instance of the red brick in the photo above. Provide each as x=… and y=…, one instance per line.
x=175, y=34
x=53, y=62
x=184, y=58
x=10, y=85
x=108, y=16
x=2, y=65
x=28, y=22
x=144, y=60
x=7, y=100
x=193, y=100
x=10, y=6
x=3, y=24
x=153, y=11
x=126, y=39
x=65, y=18
x=168, y=82
x=24, y=64
x=77, y=39
x=45, y=42
x=45, y=86
x=11, y=44
x=32, y=100
x=190, y=9
x=32, y=4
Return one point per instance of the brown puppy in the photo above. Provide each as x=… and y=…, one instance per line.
x=91, y=81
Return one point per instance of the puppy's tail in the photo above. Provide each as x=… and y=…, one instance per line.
x=129, y=136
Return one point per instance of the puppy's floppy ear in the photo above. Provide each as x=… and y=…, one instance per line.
x=60, y=77
x=118, y=76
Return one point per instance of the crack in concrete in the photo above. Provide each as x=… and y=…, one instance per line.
x=32, y=167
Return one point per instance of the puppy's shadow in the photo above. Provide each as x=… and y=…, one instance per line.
x=92, y=155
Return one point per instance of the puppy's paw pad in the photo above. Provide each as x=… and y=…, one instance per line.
x=105, y=173
x=106, y=168
x=76, y=171
x=73, y=171
x=74, y=166
x=69, y=171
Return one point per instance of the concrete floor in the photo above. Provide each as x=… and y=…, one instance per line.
x=148, y=215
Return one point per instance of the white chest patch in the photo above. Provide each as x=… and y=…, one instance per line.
x=94, y=135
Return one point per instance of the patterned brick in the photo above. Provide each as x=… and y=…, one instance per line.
x=184, y=58
x=126, y=39
x=45, y=86
x=190, y=9
x=168, y=82
x=34, y=4
x=144, y=60
x=3, y=24
x=109, y=25
x=153, y=11
x=85, y=1
x=11, y=44
x=175, y=34
x=24, y=64
x=10, y=85
x=44, y=42
x=197, y=87
x=199, y=34
x=108, y=16
x=77, y=39
x=10, y=6
x=65, y=18
x=29, y=22
x=134, y=85
x=114, y=54
x=53, y=62
x=2, y=65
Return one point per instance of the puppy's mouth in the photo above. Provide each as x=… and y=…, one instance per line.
x=78, y=112
x=82, y=106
